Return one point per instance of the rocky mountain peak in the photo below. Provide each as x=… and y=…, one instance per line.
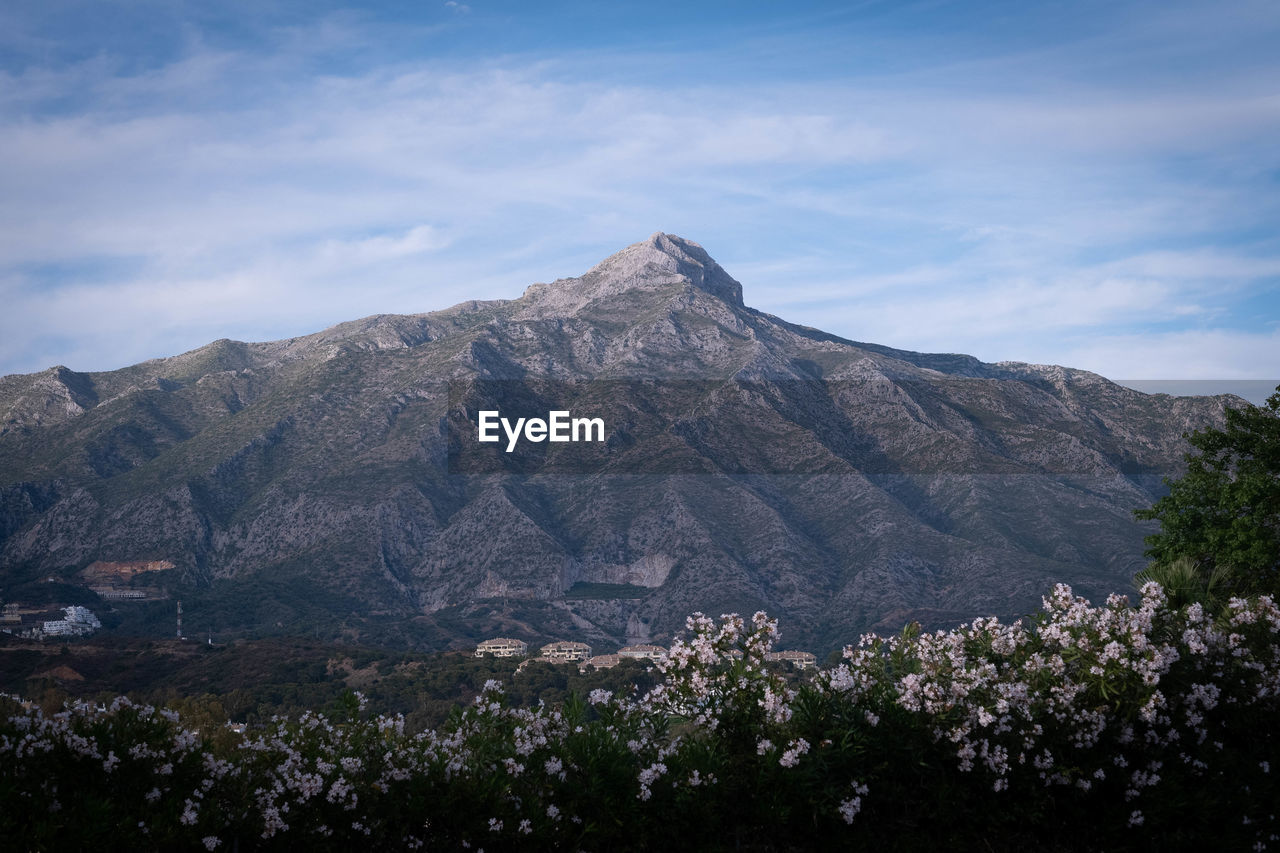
x=669, y=255
x=661, y=260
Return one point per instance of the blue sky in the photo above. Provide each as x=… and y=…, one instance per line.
x=1095, y=184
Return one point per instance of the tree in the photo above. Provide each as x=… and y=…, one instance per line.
x=1224, y=513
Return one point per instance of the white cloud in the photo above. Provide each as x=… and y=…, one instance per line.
x=1114, y=317
x=1202, y=264
x=415, y=241
x=1190, y=354
x=906, y=210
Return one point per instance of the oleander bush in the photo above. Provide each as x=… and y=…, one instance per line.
x=1086, y=727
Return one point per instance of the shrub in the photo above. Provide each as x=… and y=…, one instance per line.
x=1083, y=728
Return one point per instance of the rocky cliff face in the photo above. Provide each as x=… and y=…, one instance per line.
x=331, y=482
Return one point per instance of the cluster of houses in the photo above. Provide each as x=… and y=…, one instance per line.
x=76, y=621
x=567, y=651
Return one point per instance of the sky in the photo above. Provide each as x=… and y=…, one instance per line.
x=1094, y=184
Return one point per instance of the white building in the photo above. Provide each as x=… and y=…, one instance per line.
x=76, y=621
x=599, y=662
x=111, y=593
x=566, y=650
x=644, y=651
x=798, y=659
x=503, y=647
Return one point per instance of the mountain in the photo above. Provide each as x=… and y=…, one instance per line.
x=332, y=484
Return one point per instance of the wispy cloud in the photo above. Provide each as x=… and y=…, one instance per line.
x=1215, y=354
x=213, y=193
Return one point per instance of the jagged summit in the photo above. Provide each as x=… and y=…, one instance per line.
x=659, y=261
x=670, y=255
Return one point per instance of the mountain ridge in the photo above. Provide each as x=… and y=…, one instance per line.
x=312, y=475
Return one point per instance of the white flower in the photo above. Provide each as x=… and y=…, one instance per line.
x=210, y=842
x=849, y=808
x=791, y=757
x=651, y=773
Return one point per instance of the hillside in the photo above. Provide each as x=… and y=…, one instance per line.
x=331, y=485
